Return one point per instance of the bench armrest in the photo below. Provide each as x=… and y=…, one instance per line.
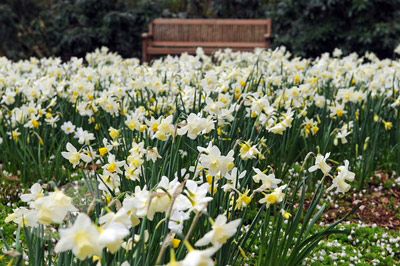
x=146, y=35
x=268, y=39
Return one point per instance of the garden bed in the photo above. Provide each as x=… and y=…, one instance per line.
x=255, y=158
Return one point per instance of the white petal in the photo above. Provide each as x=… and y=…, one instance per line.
x=71, y=148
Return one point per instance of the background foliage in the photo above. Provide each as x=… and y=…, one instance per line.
x=68, y=28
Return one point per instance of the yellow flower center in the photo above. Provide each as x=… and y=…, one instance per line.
x=103, y=151
x=220, y=235
x=286, y=215
x=142, y=128
x=271, y=198
x=114, y=133
x=388, y=125
x=15, y=135
x=111, y=167
x=132, y=125
x=214, y=163
x=83, y=245
x=74, y=159
x=175, y=242
x=244, y=148
x=314, y=129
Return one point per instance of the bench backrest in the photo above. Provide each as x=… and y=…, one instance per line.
x=209, y=32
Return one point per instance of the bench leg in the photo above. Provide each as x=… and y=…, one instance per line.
x=144, y=57
x=144, y=50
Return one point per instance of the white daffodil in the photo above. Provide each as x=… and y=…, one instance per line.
x=74, y=156
x=342, y=134
x=82, y=238
x=268, y=181
x=276, y=196
x=232, y=179
x=220, y=232
x=140, y=202
x=53, y=208
x=23, y=217
x=195, y=125
x=113, y=166
x=177, y=219
x=112, y=236
x=197, y=194
x=215, y=162
x=109, y=181
x=36, y=192
x=122, y=217
x=106, y=147
x=339, y=181
x=320, y=163
x=247, y=151
x=152, y=154
x=68, y=127
x=83, y=136
x=132, y=172
x=198, y=258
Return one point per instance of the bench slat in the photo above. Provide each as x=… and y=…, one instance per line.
x=209, y=44
x=167, y=50
x=213, y=21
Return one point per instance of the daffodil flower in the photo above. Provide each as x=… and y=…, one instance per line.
x=74, y=156
x=220, y=233
x=82, y=238
x=320, y=163
x=339, y=181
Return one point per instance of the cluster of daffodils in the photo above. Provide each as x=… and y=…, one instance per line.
x=164, y=145
x=87, y=239
x=44, y=209
x=275, y=93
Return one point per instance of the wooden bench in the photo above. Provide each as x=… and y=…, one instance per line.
x=175, y=36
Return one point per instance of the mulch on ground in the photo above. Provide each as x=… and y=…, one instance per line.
x=380, y=203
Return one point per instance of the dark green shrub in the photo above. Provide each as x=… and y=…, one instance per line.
x=306, y=27
x=312, y=27
x=73, y=28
